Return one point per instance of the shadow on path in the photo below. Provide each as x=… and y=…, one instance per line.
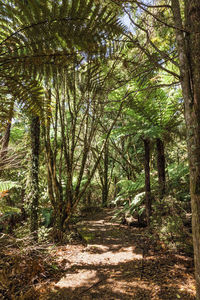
x=120, y=263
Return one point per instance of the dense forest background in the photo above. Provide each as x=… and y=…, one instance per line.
x=99, y=109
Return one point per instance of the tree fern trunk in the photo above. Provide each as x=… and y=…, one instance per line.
x=35, y=146
x=161, y=166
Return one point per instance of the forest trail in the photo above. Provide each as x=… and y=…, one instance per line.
x=119, y=262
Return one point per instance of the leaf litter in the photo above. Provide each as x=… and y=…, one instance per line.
x=115, y=262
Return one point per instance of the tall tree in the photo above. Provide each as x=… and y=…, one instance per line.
x=103, y=168
x=35, y=148
x=161, y=166
x=188, y=45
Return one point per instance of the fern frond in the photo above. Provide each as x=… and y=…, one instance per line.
x=7, y=185
x=38, y=38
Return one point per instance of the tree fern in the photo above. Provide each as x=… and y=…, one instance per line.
x=38, y=38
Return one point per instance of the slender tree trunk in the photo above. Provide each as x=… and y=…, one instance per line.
x=35, y=146
x=147, y=179
x=115, y=187
x=161, y=166
x=105, y=179
x=188, y=44
x=54, y=171
x=54, y=187
x=89, y=191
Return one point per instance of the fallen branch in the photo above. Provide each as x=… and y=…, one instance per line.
x=95, y=284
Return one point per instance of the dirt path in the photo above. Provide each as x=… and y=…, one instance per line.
x=120, y=263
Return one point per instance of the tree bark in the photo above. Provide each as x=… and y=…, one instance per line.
x=105, y=179
x=6, y=138
x=161, y=166
x=35, y=146
x=54, y=171
x=188, y=44
x=4, y=147
x=147, y=179
x=89, y=191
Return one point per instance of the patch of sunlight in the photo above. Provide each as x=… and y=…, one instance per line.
x=122, y=286
x=97, y=247
x=124, y=254
x=82, y=278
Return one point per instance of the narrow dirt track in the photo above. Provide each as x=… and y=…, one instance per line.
x=120, y=263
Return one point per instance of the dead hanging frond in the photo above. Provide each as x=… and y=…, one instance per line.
x=27, y=92
x=10, y=159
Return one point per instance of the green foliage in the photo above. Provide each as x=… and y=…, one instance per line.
x=44, y=233
x=135, y=204
x=86, y=235
x=130, y=207
x=7, y=210
x=46, y=216
x=178, y=184
x=7, y=185
x=172, y=224
x=17, y=134
x=128, y=187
